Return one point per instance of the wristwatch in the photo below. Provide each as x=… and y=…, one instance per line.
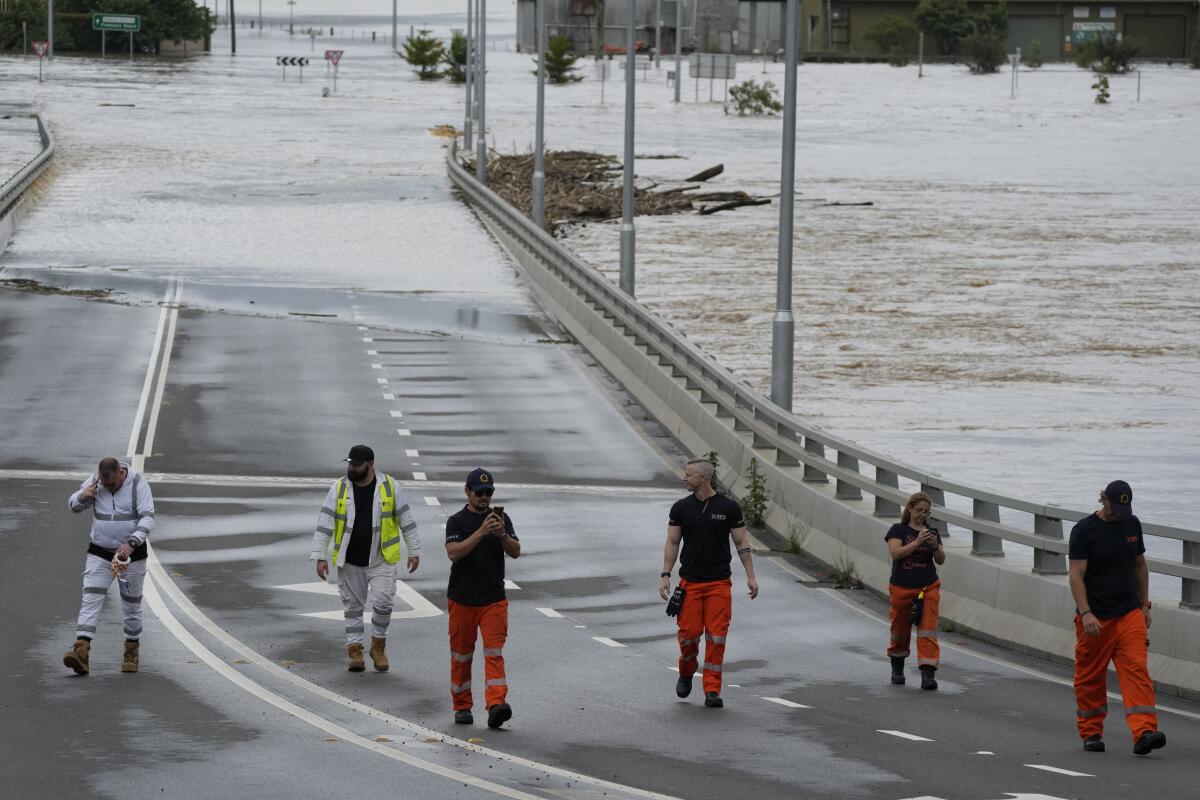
x=1146, y=605
x=665, y=575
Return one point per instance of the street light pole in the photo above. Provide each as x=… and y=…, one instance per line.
x=50, y=29
x=481, y=139
x=232, y=30
x=657, y=34
x=539, y=155
x=468, y=140
x=395, y=42
x=678, y=47
x=260, y=19
x=291, y=16
x=627, y=230
x=783, y=327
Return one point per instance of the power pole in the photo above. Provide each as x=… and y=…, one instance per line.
x=468, y=142
x=783, y=327
x=395, y=43
x=678, y=47
x=539, y=155
x=291, y=17
x=481, y=137
x=627, y=229
x=50, y=29
x=232, y=30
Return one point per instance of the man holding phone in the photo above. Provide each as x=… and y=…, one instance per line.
x=477, y=539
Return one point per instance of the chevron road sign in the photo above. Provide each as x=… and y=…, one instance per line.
x=291, y=61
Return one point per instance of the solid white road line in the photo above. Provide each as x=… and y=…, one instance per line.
x=912, y=737
x=1060, y=771
x=607, y=641
x=154, y=351
x=139, y=460
x=786, y=703
x=550, y=612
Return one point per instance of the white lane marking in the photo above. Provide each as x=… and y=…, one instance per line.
x=160, y=610
x=381, y=381
x=145, y=398
x=404, y=431
x=376, y=366
x=792, y=568
x=1060, y=771
x=367, y=339
x=673, y=669
x=412, y=454
x=508, y=584
x=581, y=626
x=372, y=352
x=609, y=642
x=912, y=737
x=362, y=327
x=983, y=753
x=139, y=460
x=158, y=578
x=396, y=414
x=1045, y=676
x=432, y=501
x=786, y=703
x=421, y=607
x=550, y=612
x=419, y=476
x=388, y=396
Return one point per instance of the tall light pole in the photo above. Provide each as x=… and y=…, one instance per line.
x=657, y=34
x=678, y=47
x=291, y=17
x=260, y=19
x=783, y=327
x=50, y=29
x=468, y=141
x=481, y=139
x=395, y=42
x=539, y=155
x=627, y=231
x=232, y=29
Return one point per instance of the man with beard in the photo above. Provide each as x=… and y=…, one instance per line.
x=359, y=551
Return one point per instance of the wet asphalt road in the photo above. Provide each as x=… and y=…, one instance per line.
x=243, y=691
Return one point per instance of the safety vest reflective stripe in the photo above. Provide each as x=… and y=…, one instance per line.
x=389, y=529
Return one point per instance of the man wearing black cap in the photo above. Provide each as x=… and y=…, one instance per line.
x=360, y=550
x=477, y=539
x=1110, y=583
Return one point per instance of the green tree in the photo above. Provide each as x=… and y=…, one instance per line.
x=162, y=20
x=983, y=51
x=455, y=58
x=1101, y=84
x=424, y=52
x=891, y=32
x=1033, y=59
x=560, y=62
x=754, y=99
x=947, y=21
x=1108, y=51
x=993, y=18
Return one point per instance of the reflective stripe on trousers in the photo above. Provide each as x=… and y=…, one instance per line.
x=900, y=618
x=97, y=577
x=1121, y=641
x=706, y=613
x=366, y=587
x=467, y=623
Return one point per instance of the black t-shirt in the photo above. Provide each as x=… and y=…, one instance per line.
x=917, y=571
x=477, y=579
x=358, y=552
x=1110, y=549
x=706, y=525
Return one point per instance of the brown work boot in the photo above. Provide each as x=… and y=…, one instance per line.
x=130, y=662
x=356, y=658
x=77, y=657
x=378, y=657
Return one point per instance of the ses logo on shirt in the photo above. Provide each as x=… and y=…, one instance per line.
x=1131, y=539
x=717, y=516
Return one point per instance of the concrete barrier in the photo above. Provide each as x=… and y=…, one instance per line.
x=12, y=192
x=677, y=384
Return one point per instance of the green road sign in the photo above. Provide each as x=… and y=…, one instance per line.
x=117, y=22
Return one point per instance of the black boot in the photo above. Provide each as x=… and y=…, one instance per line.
x=898, y=670
x=927, y=681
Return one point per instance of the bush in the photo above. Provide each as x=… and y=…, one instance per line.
x=1033, y=59
x=455, y=58
x=1108, y=47
x=984, y=52
x=947, y=21
x=752, y=98
x=754, y=503
x=1196, y=52
x=1101, y=84
x=898, y=57
x=893, y=33
x=560, y=64
x=425, y=53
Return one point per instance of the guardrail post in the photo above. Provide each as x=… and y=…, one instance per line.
x=845, y=490
x=738, y=402
x=812, y=474
x=1045, y=562
x=1190, y=596
x=883, y=506
x=783, y=458
x=759, y=441
x=939, y=499
x=985, y=544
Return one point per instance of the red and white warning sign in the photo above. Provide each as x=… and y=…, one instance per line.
x=334, y=55
x=40, y=47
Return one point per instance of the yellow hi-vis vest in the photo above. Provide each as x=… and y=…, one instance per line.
x=389, y=521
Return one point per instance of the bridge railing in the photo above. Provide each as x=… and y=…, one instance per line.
x=824, y=456
x=12, y=190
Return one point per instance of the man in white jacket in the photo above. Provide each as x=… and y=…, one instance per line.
x=359, y=551
x=122, y=517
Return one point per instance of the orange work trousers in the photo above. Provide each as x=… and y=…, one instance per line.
x=900, y=616
x=707, y=610
x=1122, y=640
x=466, y=624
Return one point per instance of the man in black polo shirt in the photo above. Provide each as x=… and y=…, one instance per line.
x=704, y=521
x=477, y=540
x=1110, y=583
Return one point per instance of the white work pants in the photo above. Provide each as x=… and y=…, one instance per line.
x=97, y=577
x=362, y=588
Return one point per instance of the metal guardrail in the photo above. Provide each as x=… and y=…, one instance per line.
x=11, y=191
x=799, y=445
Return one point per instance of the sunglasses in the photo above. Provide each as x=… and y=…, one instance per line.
x=484, y=492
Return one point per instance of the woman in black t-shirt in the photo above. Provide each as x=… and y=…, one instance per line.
x=914, y=589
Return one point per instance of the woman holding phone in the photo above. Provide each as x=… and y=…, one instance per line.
x=914, y=589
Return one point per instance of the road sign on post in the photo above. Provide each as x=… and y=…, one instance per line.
x=333, y=57
x=131, y=23
x=40, y=47
x=291, y=61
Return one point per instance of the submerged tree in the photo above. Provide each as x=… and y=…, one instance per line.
x=560, y=63
x=455, y=58
x=424, y=52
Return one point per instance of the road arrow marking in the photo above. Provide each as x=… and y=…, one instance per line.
x=418, y=605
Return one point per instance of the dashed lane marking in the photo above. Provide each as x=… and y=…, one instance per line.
x=372, y=352
x=412, y=454
x=912, y=737
x=375, y=365
x=508, y=584
x=381, y=381
x=397, y=414
x=418, y=605
x=388, y=396
x=404, y=431
x=419, y=476
x=550, y=612
x=604, y=640
x=432, y=501
x=1060, y=771
x=362, y=327
x=785, y=703
x=367, y=339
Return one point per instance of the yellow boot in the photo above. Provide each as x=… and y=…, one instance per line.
x=378, y=657
x=77, y=657
x=356, y=658
x=130, y=662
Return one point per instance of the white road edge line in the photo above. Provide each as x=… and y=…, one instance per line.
x=159, y=579
x=1060, y=771
x=912, y=737
x=139, y=460
x=141, y=409
x=550, y=612
x=607, y=641
x=782, y=702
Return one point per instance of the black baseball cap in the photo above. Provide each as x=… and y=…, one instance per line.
x=480, y=478
x=1120, y=497
x=360, y=452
